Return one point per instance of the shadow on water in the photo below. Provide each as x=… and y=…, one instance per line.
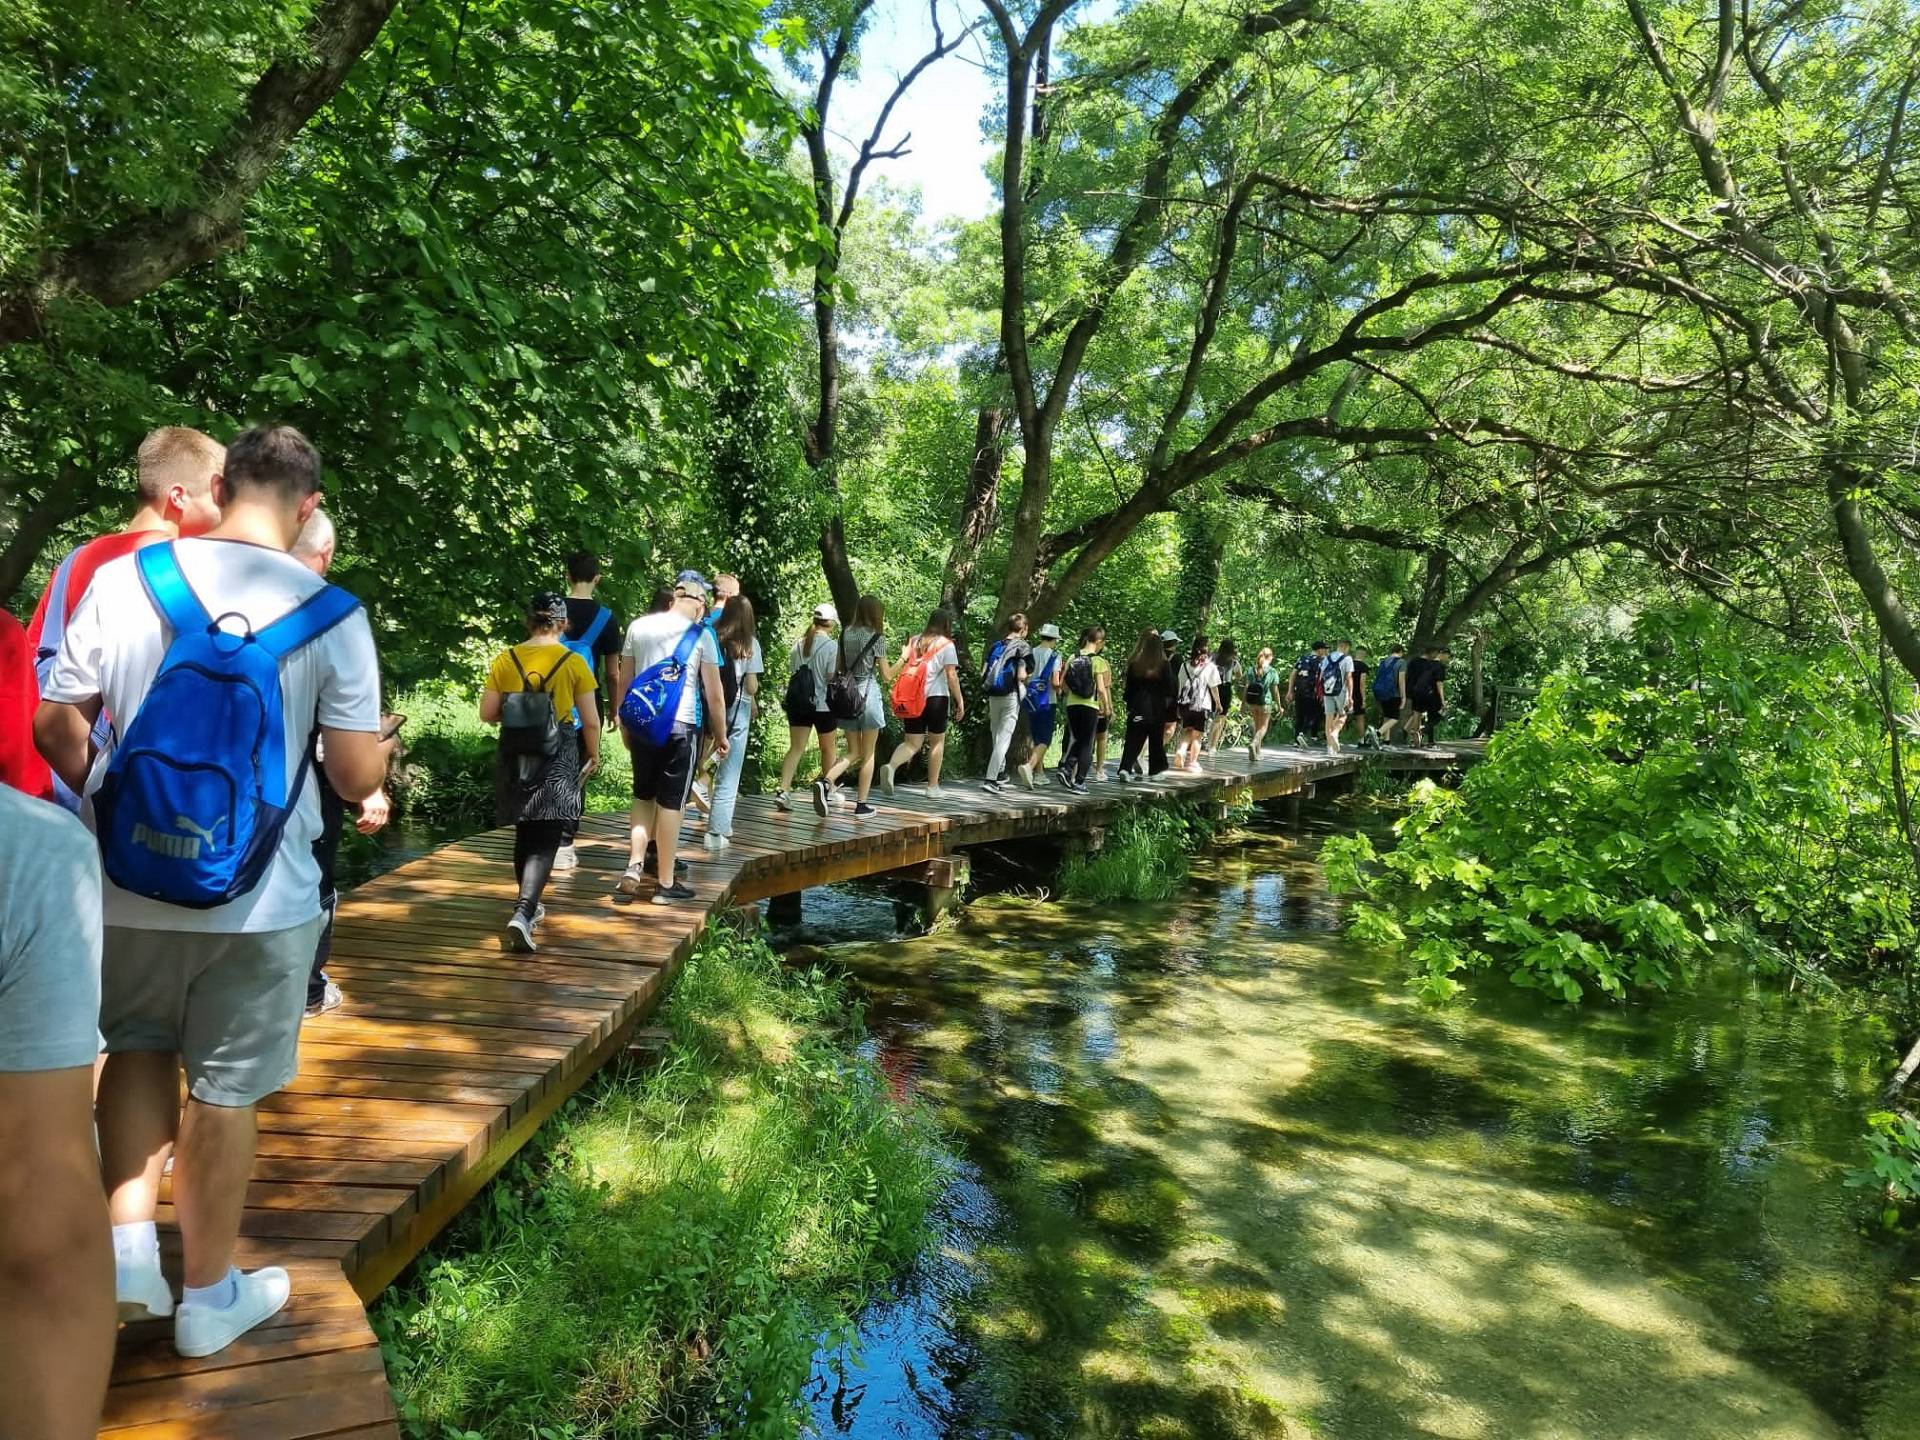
x=1220, y=1177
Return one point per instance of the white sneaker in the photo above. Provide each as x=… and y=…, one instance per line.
x=782, y=800
x=140, y=1290
x=517, y=938
x=701, y=796
x=566, y=858
x=934, y=792
x=1026, y=776
x=886, y=778
x=716, y=843
x=208, y=1329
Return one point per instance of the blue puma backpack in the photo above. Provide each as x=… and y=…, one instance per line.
x=195, y=798
x=652, y=701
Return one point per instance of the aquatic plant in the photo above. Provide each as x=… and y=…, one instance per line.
x=669, y=1254
x=1144, y=857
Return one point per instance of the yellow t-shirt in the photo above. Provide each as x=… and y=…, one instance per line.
x=566, y=674
x=1100, y=667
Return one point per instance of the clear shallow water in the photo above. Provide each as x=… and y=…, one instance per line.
x=1220, y=1177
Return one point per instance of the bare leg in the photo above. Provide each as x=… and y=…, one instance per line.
x=639, y=820
x=666, y=842
x=936, y=752
x=830, y=766
x=904, y=752
x=138, y=1116
x=56, y=1265
x=797, y=737
x=210, y=1185
x=860, y=749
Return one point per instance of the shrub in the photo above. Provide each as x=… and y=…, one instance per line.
x=680, y=1240
x=1145, y=857
x=1704, y=795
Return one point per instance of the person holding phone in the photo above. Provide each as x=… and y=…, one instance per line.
x=314, y=549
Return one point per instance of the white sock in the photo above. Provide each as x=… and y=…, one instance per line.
x=136, y=1243
x=220, y=1295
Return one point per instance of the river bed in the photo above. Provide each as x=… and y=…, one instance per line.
x=1217, y=1174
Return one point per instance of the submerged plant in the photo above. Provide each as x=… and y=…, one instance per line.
x=672, y=1252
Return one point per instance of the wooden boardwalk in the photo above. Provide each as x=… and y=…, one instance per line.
x=448, y=1054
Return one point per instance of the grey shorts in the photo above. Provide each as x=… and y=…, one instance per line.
x=1336, y=705
x=229, y=1005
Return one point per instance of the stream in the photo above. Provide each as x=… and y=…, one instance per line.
x=1218, y=1175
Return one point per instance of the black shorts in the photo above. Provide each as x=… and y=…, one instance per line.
x=662, y=774
x=930, y=721
x=1100, y=725
x=1195, y=719
x=1390, y=709
x=820, y=720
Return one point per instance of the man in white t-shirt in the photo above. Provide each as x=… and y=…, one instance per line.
x=219, y=991
x=1336, y=689
x=663, y=774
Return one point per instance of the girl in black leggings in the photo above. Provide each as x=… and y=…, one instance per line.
x=1146, y=696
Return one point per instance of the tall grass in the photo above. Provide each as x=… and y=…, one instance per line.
x=1145, y=857
x=681, y=1239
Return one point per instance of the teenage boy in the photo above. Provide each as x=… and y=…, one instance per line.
x=56, y=1268
x=663, y=773
x=1390, y=689
x=1336, y=692
x=1170, y=686
x=1308, y=716
x=1427, y=692
x=592, y=633
x=218, y=990
x=1040, y=703
x=1357, y=693
x=314, y=549
x=174, y=498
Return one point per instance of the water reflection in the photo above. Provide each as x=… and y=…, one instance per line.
x=1221, y=1177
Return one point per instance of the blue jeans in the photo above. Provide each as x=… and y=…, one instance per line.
x=726, y=780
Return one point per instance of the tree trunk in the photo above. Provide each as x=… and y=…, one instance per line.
x=33, y=528
x=979, y=513
x=1856, y=546
x=1433, y=592
x=1017, y=586
x=834, y=563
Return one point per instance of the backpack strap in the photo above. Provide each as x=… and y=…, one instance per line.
x=526, y=683
x=314, y=616
x=594, y=630
x=167, y=587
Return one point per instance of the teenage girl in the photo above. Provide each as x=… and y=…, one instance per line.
x=811, y=663
x=1227, y=661
x=1260, y=688
x=1199, y=698
x=944, y=702
x=1146, y=697
x=863, y=654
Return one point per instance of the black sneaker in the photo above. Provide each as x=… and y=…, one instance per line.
x=993, y=785
x=822, y=798
x=862, y=810
x=1074, y=787
x=671, y=894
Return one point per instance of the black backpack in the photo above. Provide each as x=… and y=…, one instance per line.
x=529, y=728
x=1332, y=675
x=1080, y=678
x=1256, y=691
x=799, y=699
x=846, y=697
x=1306, y=678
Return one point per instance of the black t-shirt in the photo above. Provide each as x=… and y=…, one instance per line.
x=1422, y=676
x=1361, y=669
x=580, y=615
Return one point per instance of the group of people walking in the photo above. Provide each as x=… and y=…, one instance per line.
x=194, y=691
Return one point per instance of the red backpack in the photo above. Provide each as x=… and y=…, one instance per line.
x=910, y=685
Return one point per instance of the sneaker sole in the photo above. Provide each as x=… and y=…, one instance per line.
x=626, y=885
x=514, y=943
x=132, y=1312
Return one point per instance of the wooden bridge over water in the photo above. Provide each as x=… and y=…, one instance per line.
x=448, y=1054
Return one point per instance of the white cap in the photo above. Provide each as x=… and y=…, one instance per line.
x=827, y=613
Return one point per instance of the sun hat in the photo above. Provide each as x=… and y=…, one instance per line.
x=1049, y=631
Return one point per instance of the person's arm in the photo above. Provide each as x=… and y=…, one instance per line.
x=63, y=734
x=623, y=673
x=1106, y=693
x=610, y=670
x=490, y=702
x=588, y=704
x=1440, y=691
x=355, y=761
x=716, y=705
x=959, y=696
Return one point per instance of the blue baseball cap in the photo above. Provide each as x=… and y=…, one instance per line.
x=691, y=580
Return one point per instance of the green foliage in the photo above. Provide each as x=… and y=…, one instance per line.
x=1893, y=1165
x=1705, y=795
x=1146, y=855
x=672, y=1253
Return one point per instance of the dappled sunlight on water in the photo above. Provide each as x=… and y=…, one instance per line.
x=1221, y=1176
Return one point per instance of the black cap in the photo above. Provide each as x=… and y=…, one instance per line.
x=548, y=605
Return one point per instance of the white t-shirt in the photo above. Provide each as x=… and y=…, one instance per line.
x=113, y=648
x=937, y=664
x=652, y=638
x=1196, y=684
x=823, y=660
